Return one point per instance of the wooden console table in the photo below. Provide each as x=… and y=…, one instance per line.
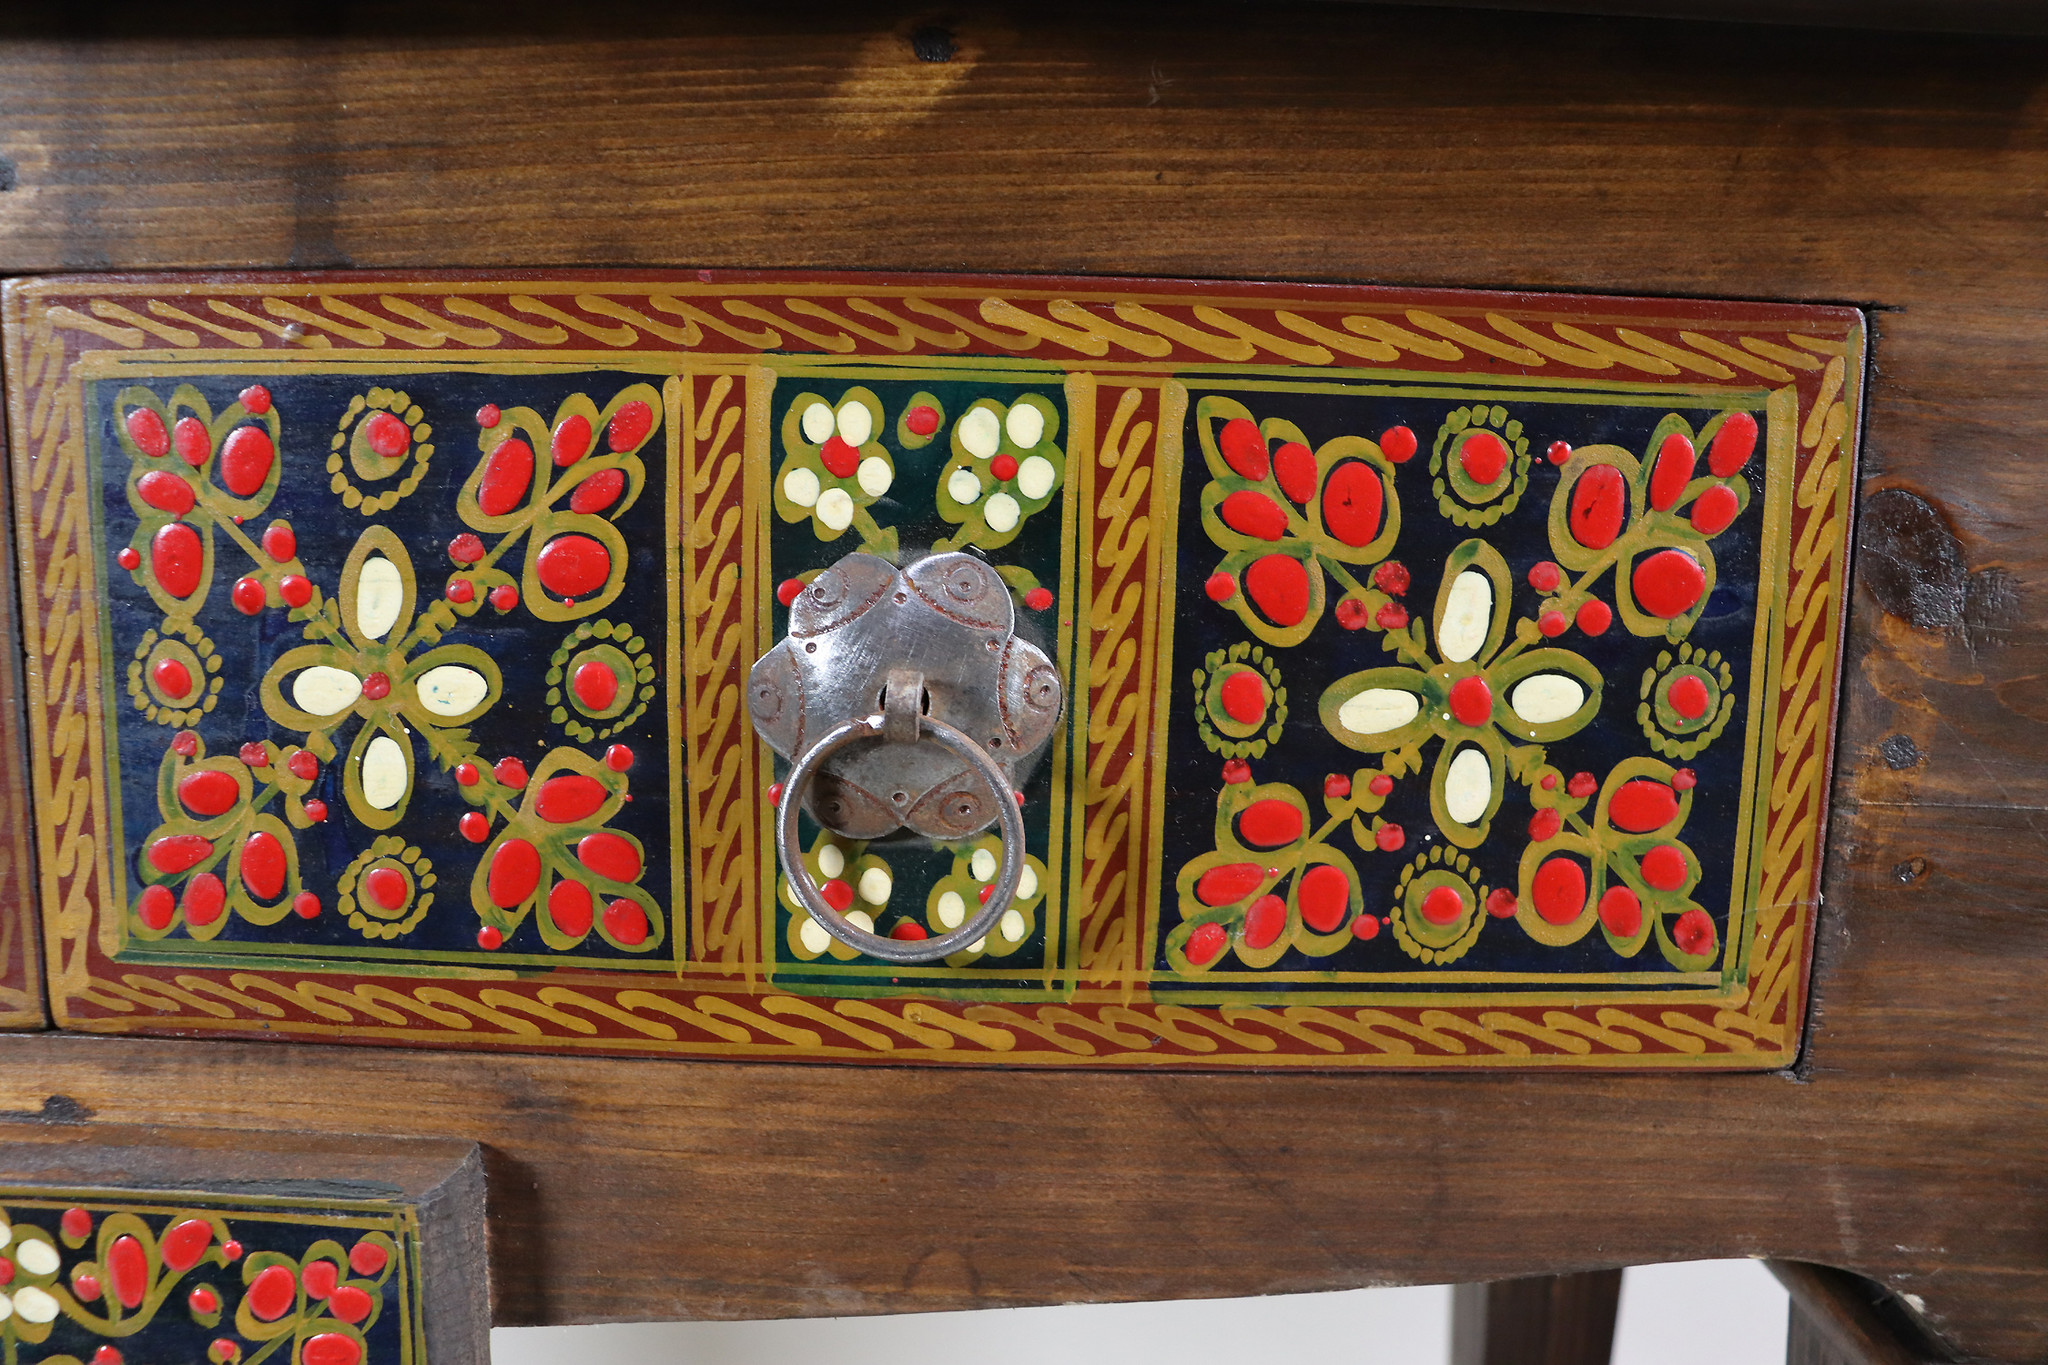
x=1899, y=173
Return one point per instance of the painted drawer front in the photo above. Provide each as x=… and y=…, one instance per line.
x=131, y=1246
x=1450, y=677
x=107, y=1277
x=21, y=993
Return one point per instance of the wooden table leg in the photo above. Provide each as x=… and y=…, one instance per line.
x=1541, y=1320
x=1842, y=1319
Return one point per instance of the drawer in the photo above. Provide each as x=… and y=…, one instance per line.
x=1447, y=679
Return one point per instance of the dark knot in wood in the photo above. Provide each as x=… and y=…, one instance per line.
x=1911, y=561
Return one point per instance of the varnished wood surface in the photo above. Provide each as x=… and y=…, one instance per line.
x=1322, y=142
x=1537, y=1320
x=1838, y=1319
x=1954, y=16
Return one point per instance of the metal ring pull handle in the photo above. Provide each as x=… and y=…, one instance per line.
x=929, y=711
x=900, y=722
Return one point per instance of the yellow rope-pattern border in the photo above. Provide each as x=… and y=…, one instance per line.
x=786, y=1026
x=67, y=782
x=840, y=320
x=1120, y=497
x=1812, y=620
x=21, y=1003
x=717, y=650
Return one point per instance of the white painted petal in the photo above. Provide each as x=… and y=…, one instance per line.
x=1468, y=786
x=37, y=1258
x=1026, y=425
x=831, y=861
x=384, y=776
x=6, y=1308
x=856, y=423
x=817, y=424
x=1027, y=885
x=981, y=435
x=35, y=1305
x=1035, y=477
x=1012, y=926
x=874, y=476
x=1547, y=697
x=862, y=920
x=6, y=1232
x=324, y=691
x=1378, y=710
x=982, y=863
x=813, y=936
x=978, y=944
x=1002, y=513
x=1468, y=611
x=964, y=486
x=875, y=886
x=835, y=509
x=380, y=592
x=452, y=689
x=952, y=911
x=800, y=486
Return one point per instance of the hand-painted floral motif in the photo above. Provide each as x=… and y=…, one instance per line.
x=861, y=885
x=382, y=436
x=1286, y=516
x=387, y=890
x=195, y=477
x=1439, y=905
x=1685, y=701
x=553, y=854
x=964, y=889
x=1270, y=885
x=1625, y=870
x=1240, y=706
x=1007, y=465
x=559, y=486
x=1491, y=701
x=1486, y=678
x=1480, y=464
x=149, y=1283
x=378, y=700
x=834, y=464
x=174, y=677
x=1651, y=521
x=366, y=665
x=221, y=849
x=857, y=883
x=600, y=681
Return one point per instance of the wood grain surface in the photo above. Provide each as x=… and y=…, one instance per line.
x=1836, y=1318
x=1538, y=1320
x=1403, y=146
x=1954, y=16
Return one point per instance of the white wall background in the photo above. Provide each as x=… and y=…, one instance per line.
x=1696, y=1313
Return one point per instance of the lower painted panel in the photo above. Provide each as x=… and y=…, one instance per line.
x=1450, y=677
x=123, y=1247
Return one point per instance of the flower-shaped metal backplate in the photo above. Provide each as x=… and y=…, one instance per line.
x=946, y=616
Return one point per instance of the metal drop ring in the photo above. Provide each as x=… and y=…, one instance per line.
x=1009, y=817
